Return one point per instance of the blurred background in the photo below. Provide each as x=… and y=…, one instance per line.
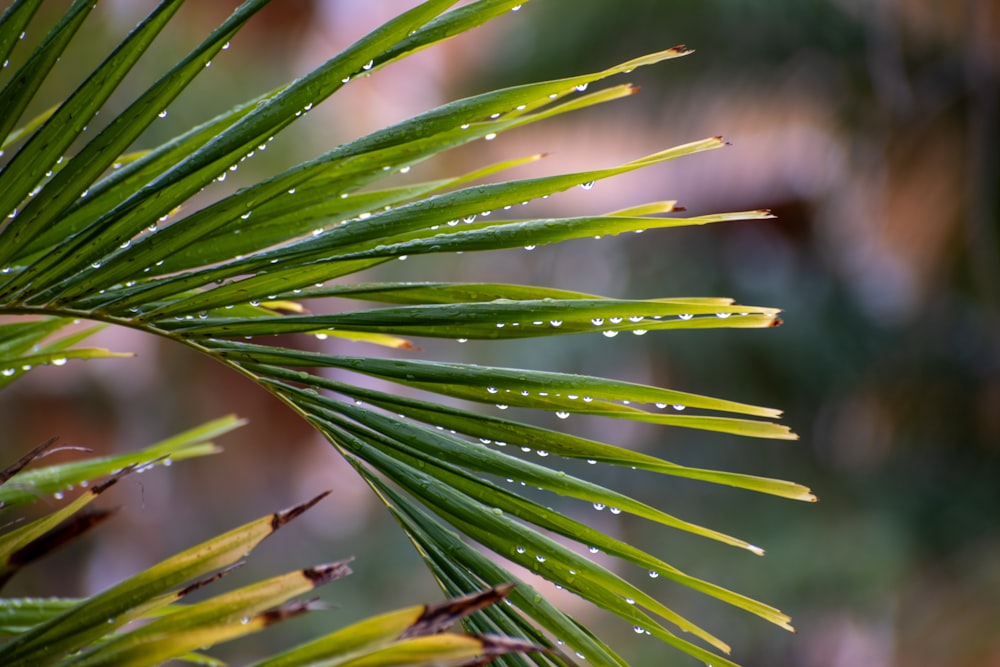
x=869, y=127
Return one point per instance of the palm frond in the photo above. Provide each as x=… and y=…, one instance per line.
x=112, y=237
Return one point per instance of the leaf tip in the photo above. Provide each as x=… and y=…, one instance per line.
x=279, y=519
x=322, y=574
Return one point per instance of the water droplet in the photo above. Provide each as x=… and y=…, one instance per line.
x=221, y=177
x=599, y=506
x=679, y=407
x=245, y=620
x=562, y=415
x=609, y=334
x=593, y=550
x=629, y=601
x=530, y=247
x=404, y=170
x=638, y=630
x=542, y=453
x=162, y=114
x=225, y=47
x=465, y=126
x=520, y=550
x=462, y=340
x=582, y=87
x=58, y=495
x=96, y=265
x=292, y=191
x=653, y=574
x=255, y=303
x=588, y=185
x=367, y=66
x=491, y=136
x=661, y=405
x=208, y=64
x=588, y=399
x=7, y=372
x=501, y=406
x=492, y=390
x=685, y=316
x=597, y=321
x=723, y=316
x=58, y=361
x=555, y=323
x=614, y=510
x=515, y=8
x=540, y=558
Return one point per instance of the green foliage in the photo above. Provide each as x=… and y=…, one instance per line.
x=94, y=232
x=99, y=630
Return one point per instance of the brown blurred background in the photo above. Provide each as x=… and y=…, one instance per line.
x=869, y=127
